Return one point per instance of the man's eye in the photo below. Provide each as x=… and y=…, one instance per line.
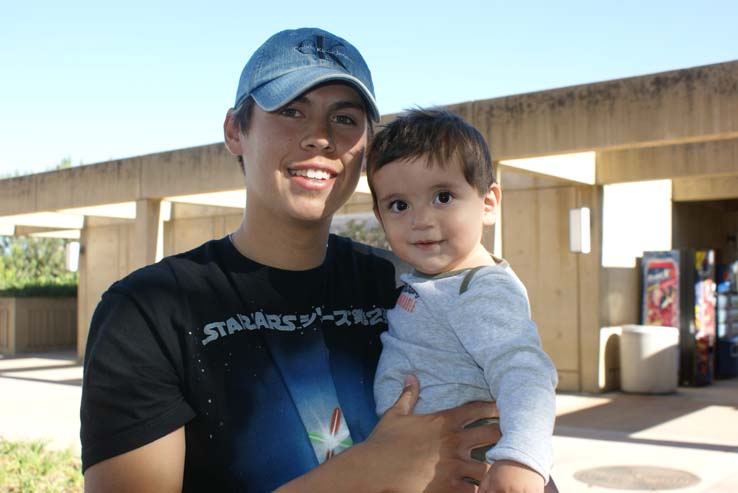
x=397, y=206
x=345, y=120
x=289, y=112
x=444, y=198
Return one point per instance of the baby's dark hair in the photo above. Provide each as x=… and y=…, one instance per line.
x=441, y=136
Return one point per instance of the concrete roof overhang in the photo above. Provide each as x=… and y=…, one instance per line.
x=681, y=125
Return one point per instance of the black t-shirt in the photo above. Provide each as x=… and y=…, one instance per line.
x=216, y=342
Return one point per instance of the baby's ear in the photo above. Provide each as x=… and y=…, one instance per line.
x=492, y=200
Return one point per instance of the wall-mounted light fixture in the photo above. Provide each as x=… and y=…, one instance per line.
x=579, y=230
x=72, y=251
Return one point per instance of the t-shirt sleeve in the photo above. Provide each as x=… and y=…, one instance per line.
x=492, y=321
x=132, y=387
x=400, y=267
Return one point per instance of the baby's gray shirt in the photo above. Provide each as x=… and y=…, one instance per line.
x=468, y=335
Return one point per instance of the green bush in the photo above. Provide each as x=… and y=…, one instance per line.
x=35, y=267
x=62, y=290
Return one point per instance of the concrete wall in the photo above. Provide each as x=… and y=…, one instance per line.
x=620, y=296
x=688, y=162
x=707, y=224
x=37, y=324
x=187, y=233
x=680, y=106
x=535, y=242
x=563, y=287
x=182, y=172
x=106, y=257
x=692, y=105
x=572, y=296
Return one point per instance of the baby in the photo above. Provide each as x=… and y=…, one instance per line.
x=462, y=322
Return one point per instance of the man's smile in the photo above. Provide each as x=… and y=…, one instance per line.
x=313, y=174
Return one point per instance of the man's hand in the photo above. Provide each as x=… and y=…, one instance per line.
x=430, y=452
x=408, y=453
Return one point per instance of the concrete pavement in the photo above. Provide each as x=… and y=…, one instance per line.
x=685, y=442
x=649, y=442
x=39, y=398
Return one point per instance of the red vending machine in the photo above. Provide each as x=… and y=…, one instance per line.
x=679, y=291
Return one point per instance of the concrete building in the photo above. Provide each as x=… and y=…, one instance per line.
x=658, y=151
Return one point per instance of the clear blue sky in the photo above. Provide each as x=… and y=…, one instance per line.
x=92, y=82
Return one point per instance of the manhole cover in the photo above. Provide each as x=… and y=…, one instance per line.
x=637, y=478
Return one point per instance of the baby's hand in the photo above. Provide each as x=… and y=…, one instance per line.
x=506, y=476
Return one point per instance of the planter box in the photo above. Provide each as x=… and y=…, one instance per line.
x=30, y=325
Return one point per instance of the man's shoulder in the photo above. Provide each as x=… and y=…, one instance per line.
x=343, y=248
x=376, y=260
x=165, y=275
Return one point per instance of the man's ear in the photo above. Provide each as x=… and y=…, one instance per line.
x=232, y=133
x=492, y=200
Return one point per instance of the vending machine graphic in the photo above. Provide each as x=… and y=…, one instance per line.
x=705, y=326
x=679, y=291
x=661, y=288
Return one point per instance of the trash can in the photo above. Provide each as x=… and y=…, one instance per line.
x=649, y=359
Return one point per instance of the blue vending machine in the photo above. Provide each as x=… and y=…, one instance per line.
x=726, y=356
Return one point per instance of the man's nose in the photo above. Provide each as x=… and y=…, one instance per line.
x=318, y=137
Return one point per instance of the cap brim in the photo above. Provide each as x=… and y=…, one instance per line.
x=280, y=91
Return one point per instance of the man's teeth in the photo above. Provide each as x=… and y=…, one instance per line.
x=314, y=174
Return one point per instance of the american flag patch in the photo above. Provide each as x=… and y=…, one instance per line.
x=407, y=299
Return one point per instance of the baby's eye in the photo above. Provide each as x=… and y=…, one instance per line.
x=443, y=198
x=397, y=206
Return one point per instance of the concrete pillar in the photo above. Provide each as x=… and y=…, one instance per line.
x=148, y=233
x=83, y=311
x=589, y=292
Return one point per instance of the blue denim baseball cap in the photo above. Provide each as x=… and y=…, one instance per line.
x=293, y=61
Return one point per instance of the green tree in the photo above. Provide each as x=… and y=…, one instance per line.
x=64, y=163
x=34, y=266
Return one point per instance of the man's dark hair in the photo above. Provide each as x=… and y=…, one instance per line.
x=243, y=120
x=441, y=136
x=243, y=114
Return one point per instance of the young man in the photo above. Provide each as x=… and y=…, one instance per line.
x=462, y=323
x=247, y=363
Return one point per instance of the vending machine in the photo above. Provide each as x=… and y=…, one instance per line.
x=726, y=353
x=679, y=291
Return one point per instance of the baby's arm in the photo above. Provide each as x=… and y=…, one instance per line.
x=492, y=321
x=507, y=476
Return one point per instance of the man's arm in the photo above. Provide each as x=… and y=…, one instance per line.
x=405, y=453
x=157, y=467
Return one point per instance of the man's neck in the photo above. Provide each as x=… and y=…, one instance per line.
x=299, y=247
